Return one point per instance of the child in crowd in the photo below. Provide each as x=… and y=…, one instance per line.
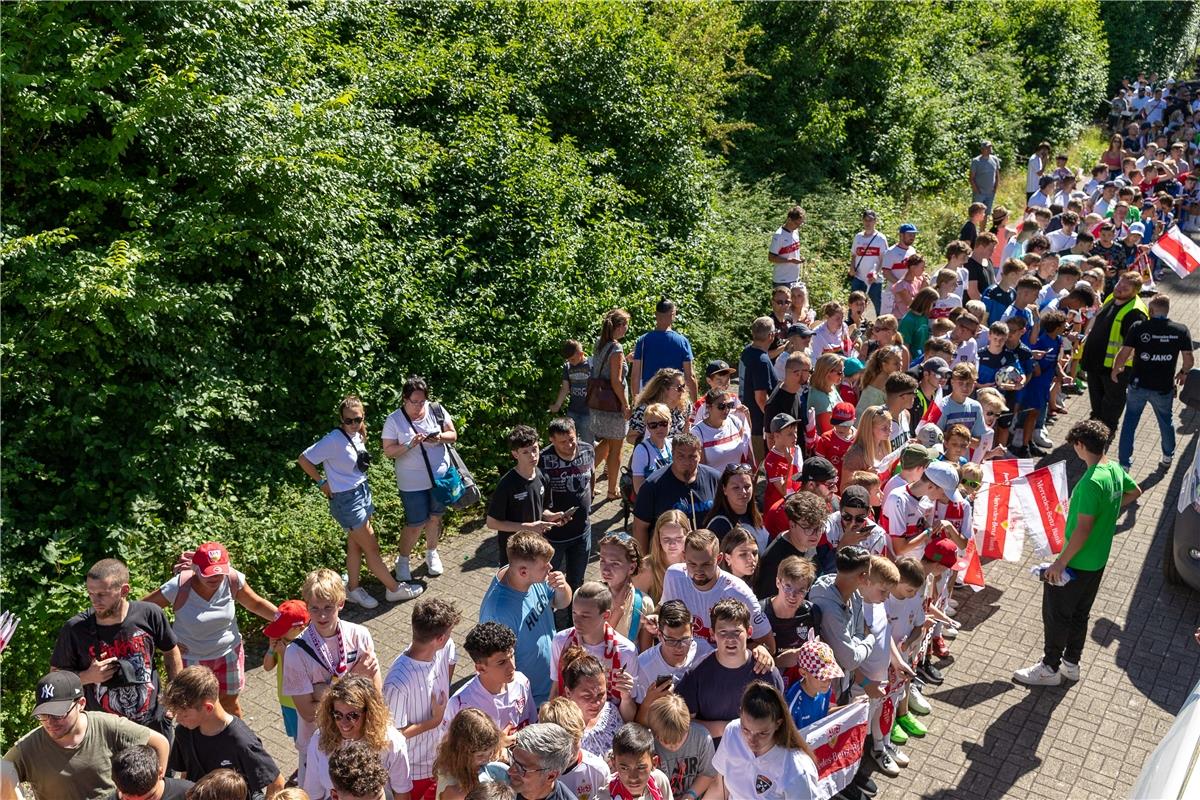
x=959, y=406
x=834, y=443
x=519, y=502
x=589, y=774
x=468, y=755
x=1035, y=397
x=997, y=298
x=940, y=556
x=783, y=461
x=497, y=688
x=591, y=609
x=634, y=776
x=417, y=688
x=905, y=608
x=852, y=525
x=684, y=748
x=871, y=677
x=993, y=408
x=908, y=511
x=906, y=289
x=739, y=554
x=874, y=486
x=810, y=698
x=945, y=282
x=793, y=618
x=957, y=444
x=577, y=370
x=326, y=651
x=291, y=619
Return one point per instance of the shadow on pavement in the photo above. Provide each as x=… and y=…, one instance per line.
x=972, y=694
x=1009, y=747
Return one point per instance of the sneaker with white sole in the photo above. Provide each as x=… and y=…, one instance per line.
x=952, y=603
x=1069, y=671
x=949, y=633
x=405, y=591
x=1042, y=440
x=433, y=563
x=402, y=571
x=917, y=703
x=885, y=763
x=1038, y=675
x=361, y=597
x=950, y=611
x=1165, y=461
x=899, y=756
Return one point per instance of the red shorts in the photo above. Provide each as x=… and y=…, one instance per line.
x=424, y=789
x=230, y=669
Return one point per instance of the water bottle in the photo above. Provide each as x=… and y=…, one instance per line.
x=1040, y=572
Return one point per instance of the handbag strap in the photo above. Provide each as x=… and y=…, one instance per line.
x=424, y=455
x=598, y=364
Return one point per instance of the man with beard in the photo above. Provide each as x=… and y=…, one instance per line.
x=111, y=648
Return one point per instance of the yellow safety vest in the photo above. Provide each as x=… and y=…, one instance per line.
x=1115, y=340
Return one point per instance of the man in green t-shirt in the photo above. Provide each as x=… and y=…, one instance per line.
x=1098, y=498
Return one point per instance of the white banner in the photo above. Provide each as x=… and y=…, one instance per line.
x=837, y=741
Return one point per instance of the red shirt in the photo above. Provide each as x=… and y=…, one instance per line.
x=777, y=468
x=833, y=447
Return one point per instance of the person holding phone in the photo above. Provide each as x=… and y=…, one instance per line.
x=567, y=464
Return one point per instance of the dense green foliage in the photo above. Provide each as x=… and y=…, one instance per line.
x=1146, y=36
x=219, y=218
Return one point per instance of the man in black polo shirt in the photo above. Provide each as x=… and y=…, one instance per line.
x=684, y=484
x=1155, y=345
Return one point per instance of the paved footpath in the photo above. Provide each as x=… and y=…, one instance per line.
x=989, y=738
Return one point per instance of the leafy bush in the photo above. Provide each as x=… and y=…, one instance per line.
x=1149, y=37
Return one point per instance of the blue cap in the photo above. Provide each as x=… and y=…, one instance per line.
x=908, y=227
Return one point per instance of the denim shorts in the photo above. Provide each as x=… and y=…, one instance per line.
x=419, y=506
x=351, y=509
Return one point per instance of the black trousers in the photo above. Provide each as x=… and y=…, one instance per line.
x=1065, y=611
x=1107, y=397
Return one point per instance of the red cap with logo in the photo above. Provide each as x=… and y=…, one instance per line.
x=842, y=413
x=291, y=614
x=210, y=559
x=944, y=551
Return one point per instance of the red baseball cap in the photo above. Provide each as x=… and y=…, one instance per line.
x=945, y=551
x=291, y=614
x=210, y=559
x=843, y=412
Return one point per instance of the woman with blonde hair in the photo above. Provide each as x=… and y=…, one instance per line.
x=666, y=548
x=882, y=363
x=669, y=387
x=607, y=396
x=466, y=754
x=653, y=452
x=822, y=389
x=872, y=443
x=1115, y=154
x=351, y=710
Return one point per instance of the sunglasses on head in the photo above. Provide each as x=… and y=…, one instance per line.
x=738, y=469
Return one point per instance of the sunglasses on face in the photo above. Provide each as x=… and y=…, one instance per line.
x=653, y=426
x=853, y=519
x=726, y=406
x=349, y=716
x=352, y=421
x=972, y=484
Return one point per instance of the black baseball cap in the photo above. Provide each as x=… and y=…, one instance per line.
x=717, y=367
x=856, y=497
x=817, y=469
x=57, y=692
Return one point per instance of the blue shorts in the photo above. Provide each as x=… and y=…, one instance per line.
x=419, y=506
x=351, y=509
x=291, y=721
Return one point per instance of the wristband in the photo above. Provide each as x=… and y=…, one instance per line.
x=865, y=682
x=322, y=482
x=691, y=793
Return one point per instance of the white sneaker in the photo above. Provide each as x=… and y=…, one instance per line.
x=953, y=603
x=885, y=763
x=405, y=591
x=899, y=756
x=1018, y=439
x=917, y=702
x=433, y=563
x=949, y=633
x=361, y=597
x=950, y=611
x=1069, y=671
x=1038, y=675
x=1165, y=461
x=403, y=573
x=1042, y=440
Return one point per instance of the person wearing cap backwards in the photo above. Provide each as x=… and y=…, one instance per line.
x=662, y=348
x=205, y=599
x=69, y=755
x=985, y=176
x=895, y=265
x=1067, y=597
x=866, y=260
x=111, y=648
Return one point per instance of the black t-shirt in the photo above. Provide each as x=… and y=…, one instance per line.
x=969, y=233
x=662, y=492
x=519, y=499
x=173, y=789
x=977, y=272
x=1095, y=346
x=570, y=485
x=755, y=373
x=793, y=631
x=1115, y=254
x=1156, y=344
x=237, y=748
x=768, y=565
x=132, y=692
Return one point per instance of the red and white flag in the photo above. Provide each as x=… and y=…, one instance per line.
x=1042, y=495
x=973, y=575
x=997, y=514
x=837, y=741
x=1178, y=251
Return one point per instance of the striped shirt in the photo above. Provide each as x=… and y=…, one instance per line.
x=408, y=690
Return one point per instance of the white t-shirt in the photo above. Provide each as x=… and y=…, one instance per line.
x=1031, y=173
x=729, y=444
x=394, y=756
x=778, y=774
x=652, y=666
x=866, y=254
x=827, y=341
x=904, y=616
x=875, y=665
x=208, y=628
x=1048, y=293
x=626, y=654
x=944, y=305
x=411, y=474
x=408, y=690
x=1038, y=198
x=339, y=456
x=588, y=777
x=893, y=256
x=967, y=352
x=785, y=244
x=678, y=586
x=904, y=515
x=514, y=704
x=1061, y=241
x=301, y=673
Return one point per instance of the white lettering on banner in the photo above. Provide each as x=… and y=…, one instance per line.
x=837, y=742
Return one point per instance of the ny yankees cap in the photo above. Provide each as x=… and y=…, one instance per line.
x=57, y=692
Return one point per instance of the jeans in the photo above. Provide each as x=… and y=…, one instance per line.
x=1065, y=611
x=1107, y=398
x=987, y=199
x=583, y=425
x=1135, y=402
x=571, y=558
x=874, y=292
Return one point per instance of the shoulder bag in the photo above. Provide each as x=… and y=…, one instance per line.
x=600, y=394
x=451, y=489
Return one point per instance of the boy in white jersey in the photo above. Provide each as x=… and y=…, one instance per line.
x=497, y=689
x=700, y=583
x=417, y=689
x=908, y=510
x=590, y=610
x=677, y=651
x=326, y=651
x=866, y=259
x=895, y=265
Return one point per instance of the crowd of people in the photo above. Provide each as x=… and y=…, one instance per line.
x=797, y=543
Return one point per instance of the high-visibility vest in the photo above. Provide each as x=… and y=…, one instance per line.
x=1115, y=339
